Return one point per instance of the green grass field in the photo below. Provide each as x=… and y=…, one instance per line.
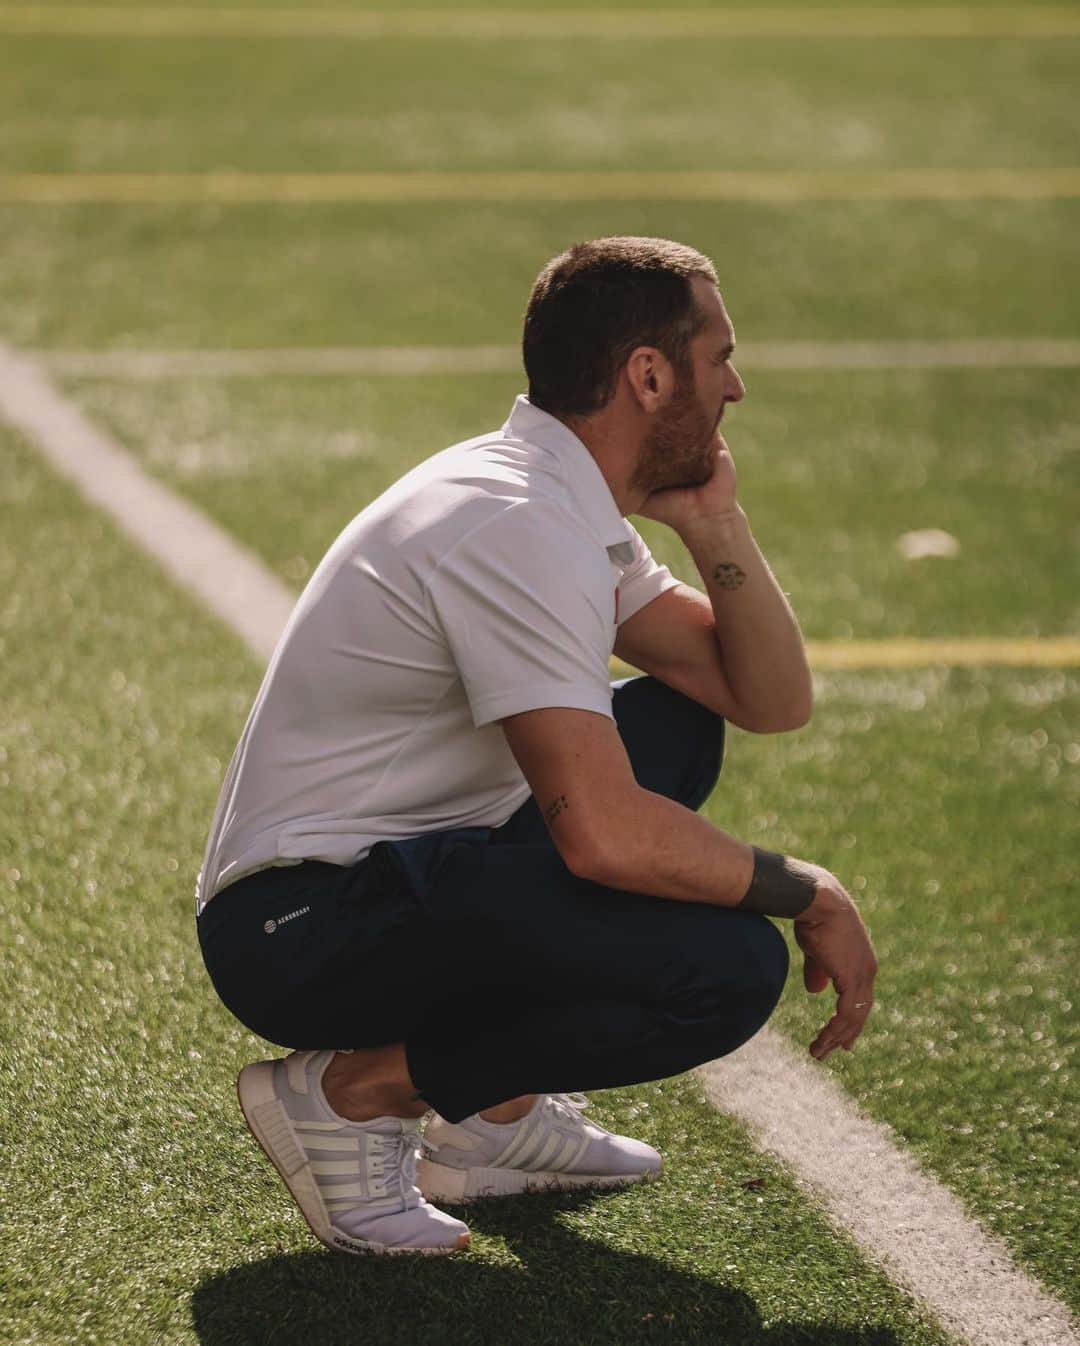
x=136, y=1207
x=984, y=454
x=264, y=108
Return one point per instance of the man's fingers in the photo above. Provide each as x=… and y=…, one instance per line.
x=852, y=1010
x=815, y=978
x=826, y=1040
x=822, y=1045
x=853, y=1006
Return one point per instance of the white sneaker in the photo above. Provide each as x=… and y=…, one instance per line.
x=354, y=1181
x=551, y=1148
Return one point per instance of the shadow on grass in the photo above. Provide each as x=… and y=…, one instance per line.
x=546, y=1285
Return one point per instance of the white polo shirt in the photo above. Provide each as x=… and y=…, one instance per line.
x=487, y=581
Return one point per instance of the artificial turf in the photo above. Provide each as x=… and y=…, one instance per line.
x=458, y=273
x=942, y=797
x=137, y=1208
x=945, y=799
x=112, y=104
x=834, y=468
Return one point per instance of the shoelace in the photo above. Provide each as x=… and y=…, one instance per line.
x=569, y=1106
x=394, y=1157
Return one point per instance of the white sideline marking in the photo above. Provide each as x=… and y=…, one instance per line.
x=78, y=20
x=141, y=364
x=901, y=1218
x=510, y=187
x=233, y=583
x=898, y=1216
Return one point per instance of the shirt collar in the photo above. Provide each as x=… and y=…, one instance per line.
x=586, y=482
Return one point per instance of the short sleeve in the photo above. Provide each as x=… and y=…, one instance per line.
x=643, y=579
x=527, y=606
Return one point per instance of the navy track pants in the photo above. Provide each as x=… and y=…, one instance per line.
x=502, y=972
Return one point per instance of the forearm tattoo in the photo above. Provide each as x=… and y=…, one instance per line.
x=781, y=886
x=556, y=807
x=728, y=575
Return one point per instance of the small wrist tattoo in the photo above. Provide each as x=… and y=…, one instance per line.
x=729, y=576
x=556, y=807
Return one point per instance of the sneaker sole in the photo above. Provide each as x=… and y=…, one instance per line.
x=458, y=1186
x=269, y=1123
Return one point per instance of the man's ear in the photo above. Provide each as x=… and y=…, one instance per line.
x=651, y=377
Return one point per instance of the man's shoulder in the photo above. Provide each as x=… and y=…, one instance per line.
x=488, y=466
x=491, y=483
x=494, y=495
x=502, y=461
x=531, y=545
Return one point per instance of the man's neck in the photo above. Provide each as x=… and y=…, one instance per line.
x=607, y=443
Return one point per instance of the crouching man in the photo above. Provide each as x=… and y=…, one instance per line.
x=455, y=868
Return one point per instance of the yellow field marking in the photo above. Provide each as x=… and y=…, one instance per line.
x=1035, y=652
x=1048, y=652
x=735, y=185
x=111, y=20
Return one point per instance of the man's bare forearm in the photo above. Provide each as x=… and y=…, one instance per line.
x=660, y=847
x=760, y=641
x=654, y=845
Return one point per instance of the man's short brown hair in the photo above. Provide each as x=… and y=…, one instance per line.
x=597, y=301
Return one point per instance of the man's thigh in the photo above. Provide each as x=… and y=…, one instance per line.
x=675, y=746
x=515, y=923
x=302, y=953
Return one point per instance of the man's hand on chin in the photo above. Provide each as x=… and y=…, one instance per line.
x=678, y=506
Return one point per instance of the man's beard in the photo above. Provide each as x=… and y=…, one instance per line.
x=679, y=449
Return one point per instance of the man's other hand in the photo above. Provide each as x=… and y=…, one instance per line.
x=837, y=949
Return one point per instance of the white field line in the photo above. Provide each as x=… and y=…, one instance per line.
x=470, y=24
x=143, y=364
x=510, y=187
x=232, y=582
x=359, y=360
x=899, y=1217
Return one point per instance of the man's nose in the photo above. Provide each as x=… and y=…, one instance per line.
x=738, y=391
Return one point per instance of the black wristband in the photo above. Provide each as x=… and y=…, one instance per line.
x=781, y=886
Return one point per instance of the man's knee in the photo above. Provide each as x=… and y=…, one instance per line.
x=675, y=744
x=775, y=960
x=765, y=962
x=734, y=966
x=724, y=1006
